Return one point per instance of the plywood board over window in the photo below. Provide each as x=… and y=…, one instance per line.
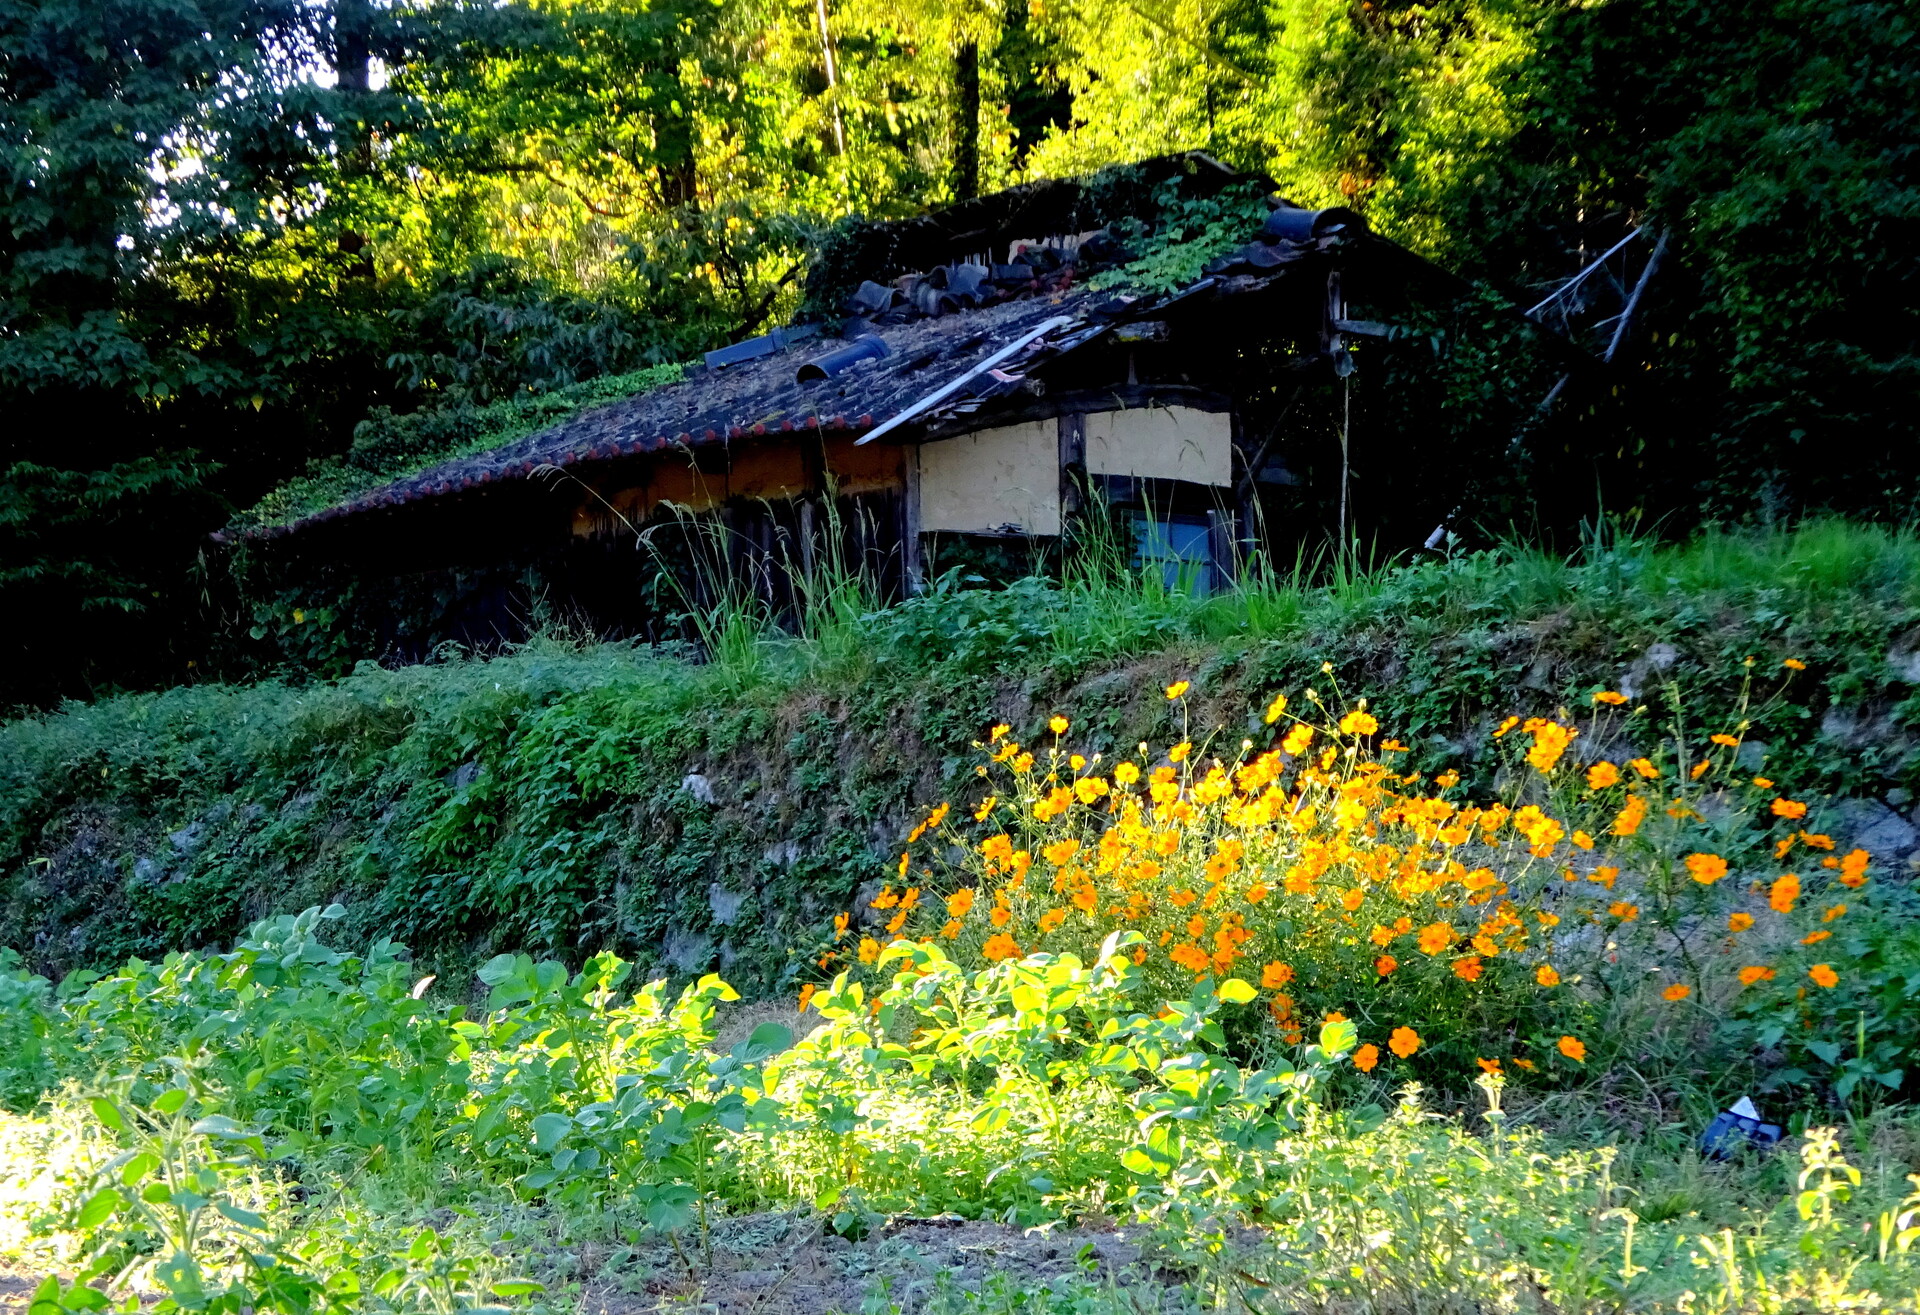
x=998, y=481
x=1162, y=442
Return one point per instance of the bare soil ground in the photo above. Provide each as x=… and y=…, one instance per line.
x=785, y=1264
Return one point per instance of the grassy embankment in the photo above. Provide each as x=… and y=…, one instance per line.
x=697, y=816
x=1164, y=1010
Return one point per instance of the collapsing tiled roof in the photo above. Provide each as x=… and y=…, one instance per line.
x=921, y=350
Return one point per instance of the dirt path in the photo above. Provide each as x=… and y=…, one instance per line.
x=781, y=1264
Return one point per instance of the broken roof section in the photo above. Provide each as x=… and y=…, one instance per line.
x=996, y=293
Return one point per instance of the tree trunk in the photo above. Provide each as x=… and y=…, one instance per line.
x=966, y=122
x=353, y=78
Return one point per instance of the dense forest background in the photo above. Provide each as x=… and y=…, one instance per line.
x=239, y=236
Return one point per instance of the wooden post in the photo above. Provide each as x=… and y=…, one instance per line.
x=912, y=569
x=1073, y=476
x=1073, y=467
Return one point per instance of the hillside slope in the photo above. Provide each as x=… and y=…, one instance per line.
x=716, y=815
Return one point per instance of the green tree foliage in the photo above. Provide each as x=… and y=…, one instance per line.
x=234, y=228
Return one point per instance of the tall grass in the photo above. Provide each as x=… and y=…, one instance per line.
x=807, y=611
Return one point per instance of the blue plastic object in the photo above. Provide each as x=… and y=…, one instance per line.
x=1731, y=1133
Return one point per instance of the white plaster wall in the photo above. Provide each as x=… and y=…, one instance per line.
x=1155, y=442
x=981, y=483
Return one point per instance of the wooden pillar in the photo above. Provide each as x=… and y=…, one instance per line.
x=912, y=569
x=1073, y=470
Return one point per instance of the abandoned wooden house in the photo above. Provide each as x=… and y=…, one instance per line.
x=970, y=384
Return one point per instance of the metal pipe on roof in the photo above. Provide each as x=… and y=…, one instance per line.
x=953, y=386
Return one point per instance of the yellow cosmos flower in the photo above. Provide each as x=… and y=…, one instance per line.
x=1058, y=725
x=1176, y=689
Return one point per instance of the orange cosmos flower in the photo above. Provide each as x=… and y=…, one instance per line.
x=1783, y=893
x=1060, y=851
x=1794, y=664
x=1645, y=767
x=1546, y=976
x=1706, y=868
x=999, y=946
x=960, y=902
x=1815, y=937
x=1824, y=975
x=1725, y=741
x=1366, y=1058
x=1385, y=965
x=1678, y=991
x=1739, y=921
x=1791, y=809
x=1298, y=739
x=1602, y=776
x=806, y=997
x=1624, y=911
x=1435, y=937
x=1275, y=708
x=1629, y=818
x=1256, y=892
x=993, y=736
x=1403, y=1042
x=1612, y=698
x=1488, y=1065
x=869, y=949
x=1469, y=968
x=1573, y=1049
x=1126, y=774
x=1178, y=753
x=1755, y=973
x=1853, y=869
x=1358, y=722
x=1051, y=919
x=1191, y=957
x=1276, y=975
x=1506, y=726
x=1833, y=912
x=950, y=928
